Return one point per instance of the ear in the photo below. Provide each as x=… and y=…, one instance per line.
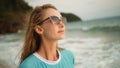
x=38, y=29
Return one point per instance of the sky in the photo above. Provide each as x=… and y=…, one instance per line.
x=85, y=9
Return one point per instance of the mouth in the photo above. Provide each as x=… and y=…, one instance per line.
x=61, y=31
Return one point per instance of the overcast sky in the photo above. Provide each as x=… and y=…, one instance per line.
x=85, y=9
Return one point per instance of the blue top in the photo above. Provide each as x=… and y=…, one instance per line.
x=66, y=60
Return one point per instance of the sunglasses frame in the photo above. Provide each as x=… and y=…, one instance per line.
x=53, y=21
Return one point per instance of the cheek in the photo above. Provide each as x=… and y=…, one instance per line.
x=51, y=29
x=50, y=32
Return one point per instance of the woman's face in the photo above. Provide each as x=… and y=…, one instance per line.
x=52, y=31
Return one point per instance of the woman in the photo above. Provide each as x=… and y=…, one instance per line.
x=40, y=49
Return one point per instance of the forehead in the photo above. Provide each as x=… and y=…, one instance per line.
x=51, y=12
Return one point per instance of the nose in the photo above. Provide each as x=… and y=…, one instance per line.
x=61, y=25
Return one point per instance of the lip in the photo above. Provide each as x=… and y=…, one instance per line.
x=61, y=31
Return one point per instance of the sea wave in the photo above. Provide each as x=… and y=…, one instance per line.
x=104, y=28
x=108, y=28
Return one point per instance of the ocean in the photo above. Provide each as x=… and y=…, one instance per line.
x=95, y=44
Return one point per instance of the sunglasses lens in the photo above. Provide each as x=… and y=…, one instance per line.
x=64, y=20
x=55, y=19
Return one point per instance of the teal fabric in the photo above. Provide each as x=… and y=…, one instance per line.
x=67, y=61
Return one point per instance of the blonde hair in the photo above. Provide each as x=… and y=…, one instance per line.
x=32, y=39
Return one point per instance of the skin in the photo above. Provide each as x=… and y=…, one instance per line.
x=50, y=34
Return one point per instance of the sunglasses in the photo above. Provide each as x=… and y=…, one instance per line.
x=54, y=19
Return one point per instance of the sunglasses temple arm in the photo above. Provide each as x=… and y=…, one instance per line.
x=40, y=23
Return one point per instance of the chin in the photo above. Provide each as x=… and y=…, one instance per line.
x=61, y=37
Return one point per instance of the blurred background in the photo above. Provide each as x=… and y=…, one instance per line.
x=92, y=31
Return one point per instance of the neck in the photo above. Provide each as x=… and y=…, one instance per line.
x=48, y=50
